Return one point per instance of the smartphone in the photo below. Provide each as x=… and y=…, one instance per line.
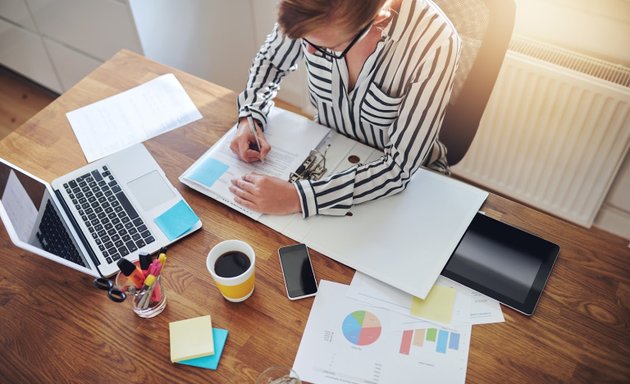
x=299, y=277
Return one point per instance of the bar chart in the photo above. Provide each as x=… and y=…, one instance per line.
x=439, y=340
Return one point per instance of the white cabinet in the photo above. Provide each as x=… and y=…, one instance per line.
x=57, y=42
x=17, y=12
x=23, y=51
x=71, y=65
x=98, y=28
x=213, y=39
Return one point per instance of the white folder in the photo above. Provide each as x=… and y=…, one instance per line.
x=404, y=240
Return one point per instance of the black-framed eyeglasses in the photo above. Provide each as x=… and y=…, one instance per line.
x=332, y=54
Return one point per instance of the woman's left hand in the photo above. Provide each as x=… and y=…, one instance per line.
x=266, y=194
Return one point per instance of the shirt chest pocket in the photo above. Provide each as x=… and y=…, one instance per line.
x=378, y=109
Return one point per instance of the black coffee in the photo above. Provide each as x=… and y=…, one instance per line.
x=232, y=263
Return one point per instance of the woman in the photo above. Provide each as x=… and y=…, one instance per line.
x=379, y=71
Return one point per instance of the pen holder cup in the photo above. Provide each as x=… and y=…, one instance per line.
x=146, y=303
x=278, y=375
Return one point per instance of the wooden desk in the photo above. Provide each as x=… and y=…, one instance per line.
x=57, y=328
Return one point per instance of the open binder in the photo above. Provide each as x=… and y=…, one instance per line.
x=403, y=240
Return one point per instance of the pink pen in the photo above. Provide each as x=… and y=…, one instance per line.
x=154, y=269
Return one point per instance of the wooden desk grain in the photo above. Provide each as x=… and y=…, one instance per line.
x=57, y=328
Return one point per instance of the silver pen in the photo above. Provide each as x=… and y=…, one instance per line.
x=252, y=126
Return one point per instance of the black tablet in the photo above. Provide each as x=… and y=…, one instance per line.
x=503, y=262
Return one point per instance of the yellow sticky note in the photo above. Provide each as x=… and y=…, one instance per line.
x=191, y=338
x=438, y=306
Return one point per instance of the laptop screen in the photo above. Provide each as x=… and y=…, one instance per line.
x=22, y=198
x=33, y=215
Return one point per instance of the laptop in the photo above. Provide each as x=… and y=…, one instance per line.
x=92, y=217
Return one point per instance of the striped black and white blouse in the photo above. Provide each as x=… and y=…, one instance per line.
x=397, y=104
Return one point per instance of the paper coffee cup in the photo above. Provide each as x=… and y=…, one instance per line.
x=231, y=264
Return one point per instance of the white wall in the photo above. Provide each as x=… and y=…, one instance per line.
x=600, y=28
x=211, y=39
x=614, y=216
x=293, y=88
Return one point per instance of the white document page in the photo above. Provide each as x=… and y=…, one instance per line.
x=291, y=137
x=133, y=116
x=483, y=309
x=470, y=306
x=404, y=240
x=349, y=341
x=19, y=207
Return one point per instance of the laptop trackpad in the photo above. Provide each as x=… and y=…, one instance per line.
x=150, y=190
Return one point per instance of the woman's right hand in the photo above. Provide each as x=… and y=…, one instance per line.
x=244, y=142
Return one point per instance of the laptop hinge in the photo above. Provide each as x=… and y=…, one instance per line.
x=78, y=230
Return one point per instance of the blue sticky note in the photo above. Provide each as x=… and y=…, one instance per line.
x=210, y=362
x=208, y=171
x=177, y=220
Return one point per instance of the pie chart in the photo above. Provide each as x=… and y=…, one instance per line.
x=361, y=328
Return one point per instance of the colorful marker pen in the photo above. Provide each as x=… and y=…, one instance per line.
x=155, y=268
x=157, y=294
x=145, y=261
x=133, y=273
x=147, y=292
x=162, y=259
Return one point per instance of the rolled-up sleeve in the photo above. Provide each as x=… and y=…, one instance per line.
x=277, y=57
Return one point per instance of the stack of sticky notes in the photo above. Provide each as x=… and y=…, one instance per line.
x=194, y=342
x=177, y=220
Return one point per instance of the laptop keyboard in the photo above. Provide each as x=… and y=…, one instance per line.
x=54, y=238
x=108, y=214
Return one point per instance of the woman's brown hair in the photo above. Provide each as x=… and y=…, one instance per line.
x=300, y=17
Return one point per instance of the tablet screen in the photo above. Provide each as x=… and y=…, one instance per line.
x=503, y=262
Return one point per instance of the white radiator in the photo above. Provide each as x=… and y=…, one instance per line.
x=555, y=131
